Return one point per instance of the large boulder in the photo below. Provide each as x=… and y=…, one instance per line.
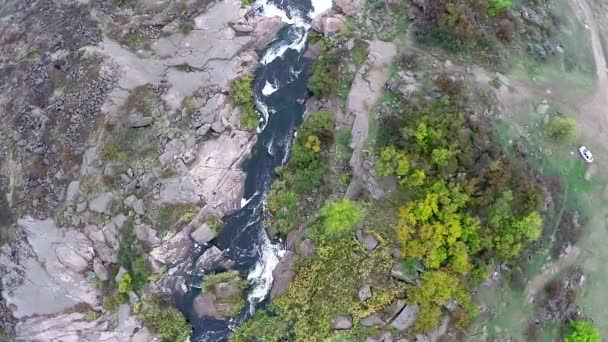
x=102, y=203
x=350, y=7
x=147, y=235
x=282, y=275
x=174, y=250
x=70, y=259
x=213, y=258
x=203, y=234
x=406, y=317
x=204, y=306
x=373, y=320
x=365, y=292
x=342, y=323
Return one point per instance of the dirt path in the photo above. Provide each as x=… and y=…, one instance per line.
x=364, y=94
x=597, y=106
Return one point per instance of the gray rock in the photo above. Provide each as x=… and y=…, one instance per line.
x=282, y=275
x=370, y=243
x=365, y=292
x=175, y=250
x=307, y=248
x=172, y=150
x=383, y=337
x=100, y=270
x=189, y=156
x=203, y=130
x=406, y=317
x=374, y=320
x=397, y=272
x=139, y=121
x=531, y=16
x=73, y=192
x=342, y=323
x=119, y=220
x=146, y=234
x=212, y=258
x=142, y=335
x=121, y=272
x=203, y=234
x=102, y=203
x=81, y=207
x=110, y=234
x=242, y=28
x=394, y=310
x=204, y=306
x=542, y=108
x=128, y=202
x=70, y=259
x=139, y=207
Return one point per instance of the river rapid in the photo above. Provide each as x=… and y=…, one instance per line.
x=280, y=81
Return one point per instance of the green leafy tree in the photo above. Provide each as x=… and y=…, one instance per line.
x=340, y=217
x=583, y=331
x=166, y=321
x=562, y=129
x=126, y=284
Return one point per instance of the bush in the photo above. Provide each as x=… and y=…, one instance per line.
x=126, y=284
x=284, y=206
x=498, y=6
x=562, y=129
x=340, y=217
x=583, y=331
x=166, y=321
x=262, y=327
x=241, y=95
x=324, y=75
x=91, y=315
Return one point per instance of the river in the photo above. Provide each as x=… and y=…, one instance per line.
x=280, y=80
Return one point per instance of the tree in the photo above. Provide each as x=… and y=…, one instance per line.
x=340, y=217
x=583, y=331
x=562, y=129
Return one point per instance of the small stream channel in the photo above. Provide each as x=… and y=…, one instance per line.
x=280, y=81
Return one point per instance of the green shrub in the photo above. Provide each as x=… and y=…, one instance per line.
x=111, y=303
x=166, y=321
x=241, y=95
x=562, y=129
x=228, y=304
x=91, y=315
x=125, y=285
x=209, y=282
x=168, y=216
x=498, y=6
x=262, y=327
x=583, y=331
x=284, y=206
x=140, y=273
x=127, y=248
x=324, y=73
x=340, y=217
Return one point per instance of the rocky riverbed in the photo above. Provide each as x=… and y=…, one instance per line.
x=116, y=114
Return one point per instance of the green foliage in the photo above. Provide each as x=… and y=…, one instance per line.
x=111, y=303
x=169, y=215
x=246, y=3
x=284, y=206
x=307, y=167
x=391, y=162
x=166, y=321
x=125, y=285
x=324, y=75
x=140, y=273
x=326, y=286
x=583, y=331
x=340, y=217
x=91, y=315
x=241, y=95
x=228, y=303
x=127, y=249
x=211, y=280
x=562, y=129
x=498, y=6
x=262, y=327
x=436, y=290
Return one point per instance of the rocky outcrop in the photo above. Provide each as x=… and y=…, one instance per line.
x=350, y=7
x=203, y=234
x=282, y=275
x=406, y=317
x=174, y=250
x=342, y=323
x=212, y=259
x=204, y=306
x=328, y=23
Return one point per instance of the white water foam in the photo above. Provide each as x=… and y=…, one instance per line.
x=319, y=6
x=277, y=51
x=269, y=88
x=261, y=276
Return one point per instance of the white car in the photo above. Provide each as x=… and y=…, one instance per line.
x=586, y=154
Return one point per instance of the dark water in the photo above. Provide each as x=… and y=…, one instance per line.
x=243, y=234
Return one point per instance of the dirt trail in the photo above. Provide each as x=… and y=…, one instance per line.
x=597, y=106
x=365, y=92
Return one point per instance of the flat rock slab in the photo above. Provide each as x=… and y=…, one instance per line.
x=406, y=317
x=40, y=288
